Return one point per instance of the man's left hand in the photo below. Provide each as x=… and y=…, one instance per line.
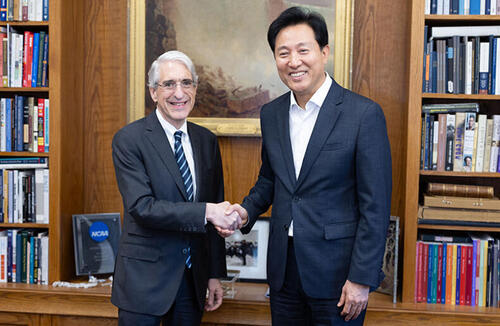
x=215, y=294
x=354, y=298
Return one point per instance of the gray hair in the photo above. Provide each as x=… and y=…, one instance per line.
x=170, y=56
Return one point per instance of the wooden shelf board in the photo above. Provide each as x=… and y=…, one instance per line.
x=461, y=96
x=25, y=23
x=24, y=89
x=24, y=154
x=461, y=174
x=463, y=17
x=24, y=225
x=458, y=228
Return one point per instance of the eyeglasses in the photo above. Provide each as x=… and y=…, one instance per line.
x=170, y=85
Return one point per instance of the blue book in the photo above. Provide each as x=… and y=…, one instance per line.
x=47, y=127
x=9, y=255
x=19, y=257
x=434, y=7
x=459, y=256
x=34, y=66
x=435, y=258
x=427, y=152
x=19, y=122
x=454, y=7
x=487, y=7
x=31, y=258
x=45, y=10
x=493, y=61
x=474, y=262
x=430, y=273
x=475, y=7
x=3, y=10
x=461, y=7
x=443, y=275
x=8, y=125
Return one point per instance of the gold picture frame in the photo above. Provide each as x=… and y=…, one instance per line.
x=250, y=127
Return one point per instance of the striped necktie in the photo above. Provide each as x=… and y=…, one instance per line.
x=186, y=177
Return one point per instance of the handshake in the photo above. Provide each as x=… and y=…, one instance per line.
x=225, y=217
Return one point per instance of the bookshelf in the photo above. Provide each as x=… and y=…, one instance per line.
x=416, y=179
x=65, y=93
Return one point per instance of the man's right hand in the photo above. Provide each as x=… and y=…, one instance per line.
x=216, y=214
x=235, y=208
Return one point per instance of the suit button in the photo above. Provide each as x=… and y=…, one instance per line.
x=184, y=251
x=296, y=198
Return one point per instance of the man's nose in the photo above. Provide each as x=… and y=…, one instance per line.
x=179, y=91
x=295, y=60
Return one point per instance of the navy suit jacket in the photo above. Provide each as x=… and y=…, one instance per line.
x=159, y=224
x=340, y=202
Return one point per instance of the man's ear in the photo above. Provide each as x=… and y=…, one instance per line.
x=152, y=92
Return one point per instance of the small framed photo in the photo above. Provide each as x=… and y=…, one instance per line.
x=95, y=238
x=247, y=253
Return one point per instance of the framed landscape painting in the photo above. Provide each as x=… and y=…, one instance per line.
x=229, y=48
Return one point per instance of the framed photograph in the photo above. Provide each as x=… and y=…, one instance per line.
x=247, y=253
x=95, y=239
x=236, y=68
x=389, y=284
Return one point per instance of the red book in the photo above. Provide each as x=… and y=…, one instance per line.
x=41, y=125
x=476, y=279
x=29, y=62
x=468, y=286
x=418, y=270
x=439, y=273
x=425, y=271
x=463, y=274
x=25, y=58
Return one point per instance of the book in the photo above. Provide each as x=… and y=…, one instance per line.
x=462, y=202
x=450, y=31
x=487, y=148
x=450, y=107
x=446, y=189
x=434, y=213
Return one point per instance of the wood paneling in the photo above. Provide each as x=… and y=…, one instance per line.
x=380, y=72
x=105, y=100
x=8, y=319
x=82, y=321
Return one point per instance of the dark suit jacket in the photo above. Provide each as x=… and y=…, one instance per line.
x=159, y=225
x=340, y=203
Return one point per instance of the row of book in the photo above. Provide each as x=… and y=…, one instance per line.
x=462, y=7
x=23, y=58
x=24, y=195
x=457, y=270
x=24, y=10
x=462, y=65
x=24, y=124
x=24, y=256
x=455, y=137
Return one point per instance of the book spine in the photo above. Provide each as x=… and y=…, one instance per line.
x=483, y=67
x=473, y=272
x=443, y=272
x=34, y=74
x=449, y=272
x=481, y=139
x=487, y=148
x=458, y=165
x=450, y=135
x=45, y=60
x=444, y=189
x=420, y=270
x=430, y=272
x=41, y=122
x=425, y=273
x=439, y=283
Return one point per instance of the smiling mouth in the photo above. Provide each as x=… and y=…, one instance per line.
x=178, y=104
x=297, y=75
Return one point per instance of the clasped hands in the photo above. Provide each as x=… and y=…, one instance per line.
x=225, y=217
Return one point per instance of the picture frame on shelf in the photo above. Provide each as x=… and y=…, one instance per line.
x=95, y=239
x=229, y=48
x=247, y=253
x=389, y=284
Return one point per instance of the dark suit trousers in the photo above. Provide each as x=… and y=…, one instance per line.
x=290, y=306
x=184, y=311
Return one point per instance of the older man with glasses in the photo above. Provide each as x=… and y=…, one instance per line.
x=169, y=173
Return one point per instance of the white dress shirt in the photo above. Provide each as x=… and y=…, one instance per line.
x=302, y=121
x=186, y=145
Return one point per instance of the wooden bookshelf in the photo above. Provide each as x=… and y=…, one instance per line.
x=65, y=92
x=415, y=177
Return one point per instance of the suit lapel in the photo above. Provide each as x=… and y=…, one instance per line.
x=282, y=116
x=195, y=139
x=327, y=117
x=156, y=135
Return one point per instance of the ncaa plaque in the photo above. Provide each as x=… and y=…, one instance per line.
x=95, y=239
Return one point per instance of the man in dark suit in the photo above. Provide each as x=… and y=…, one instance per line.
x=169, y=173
x=326, y=170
